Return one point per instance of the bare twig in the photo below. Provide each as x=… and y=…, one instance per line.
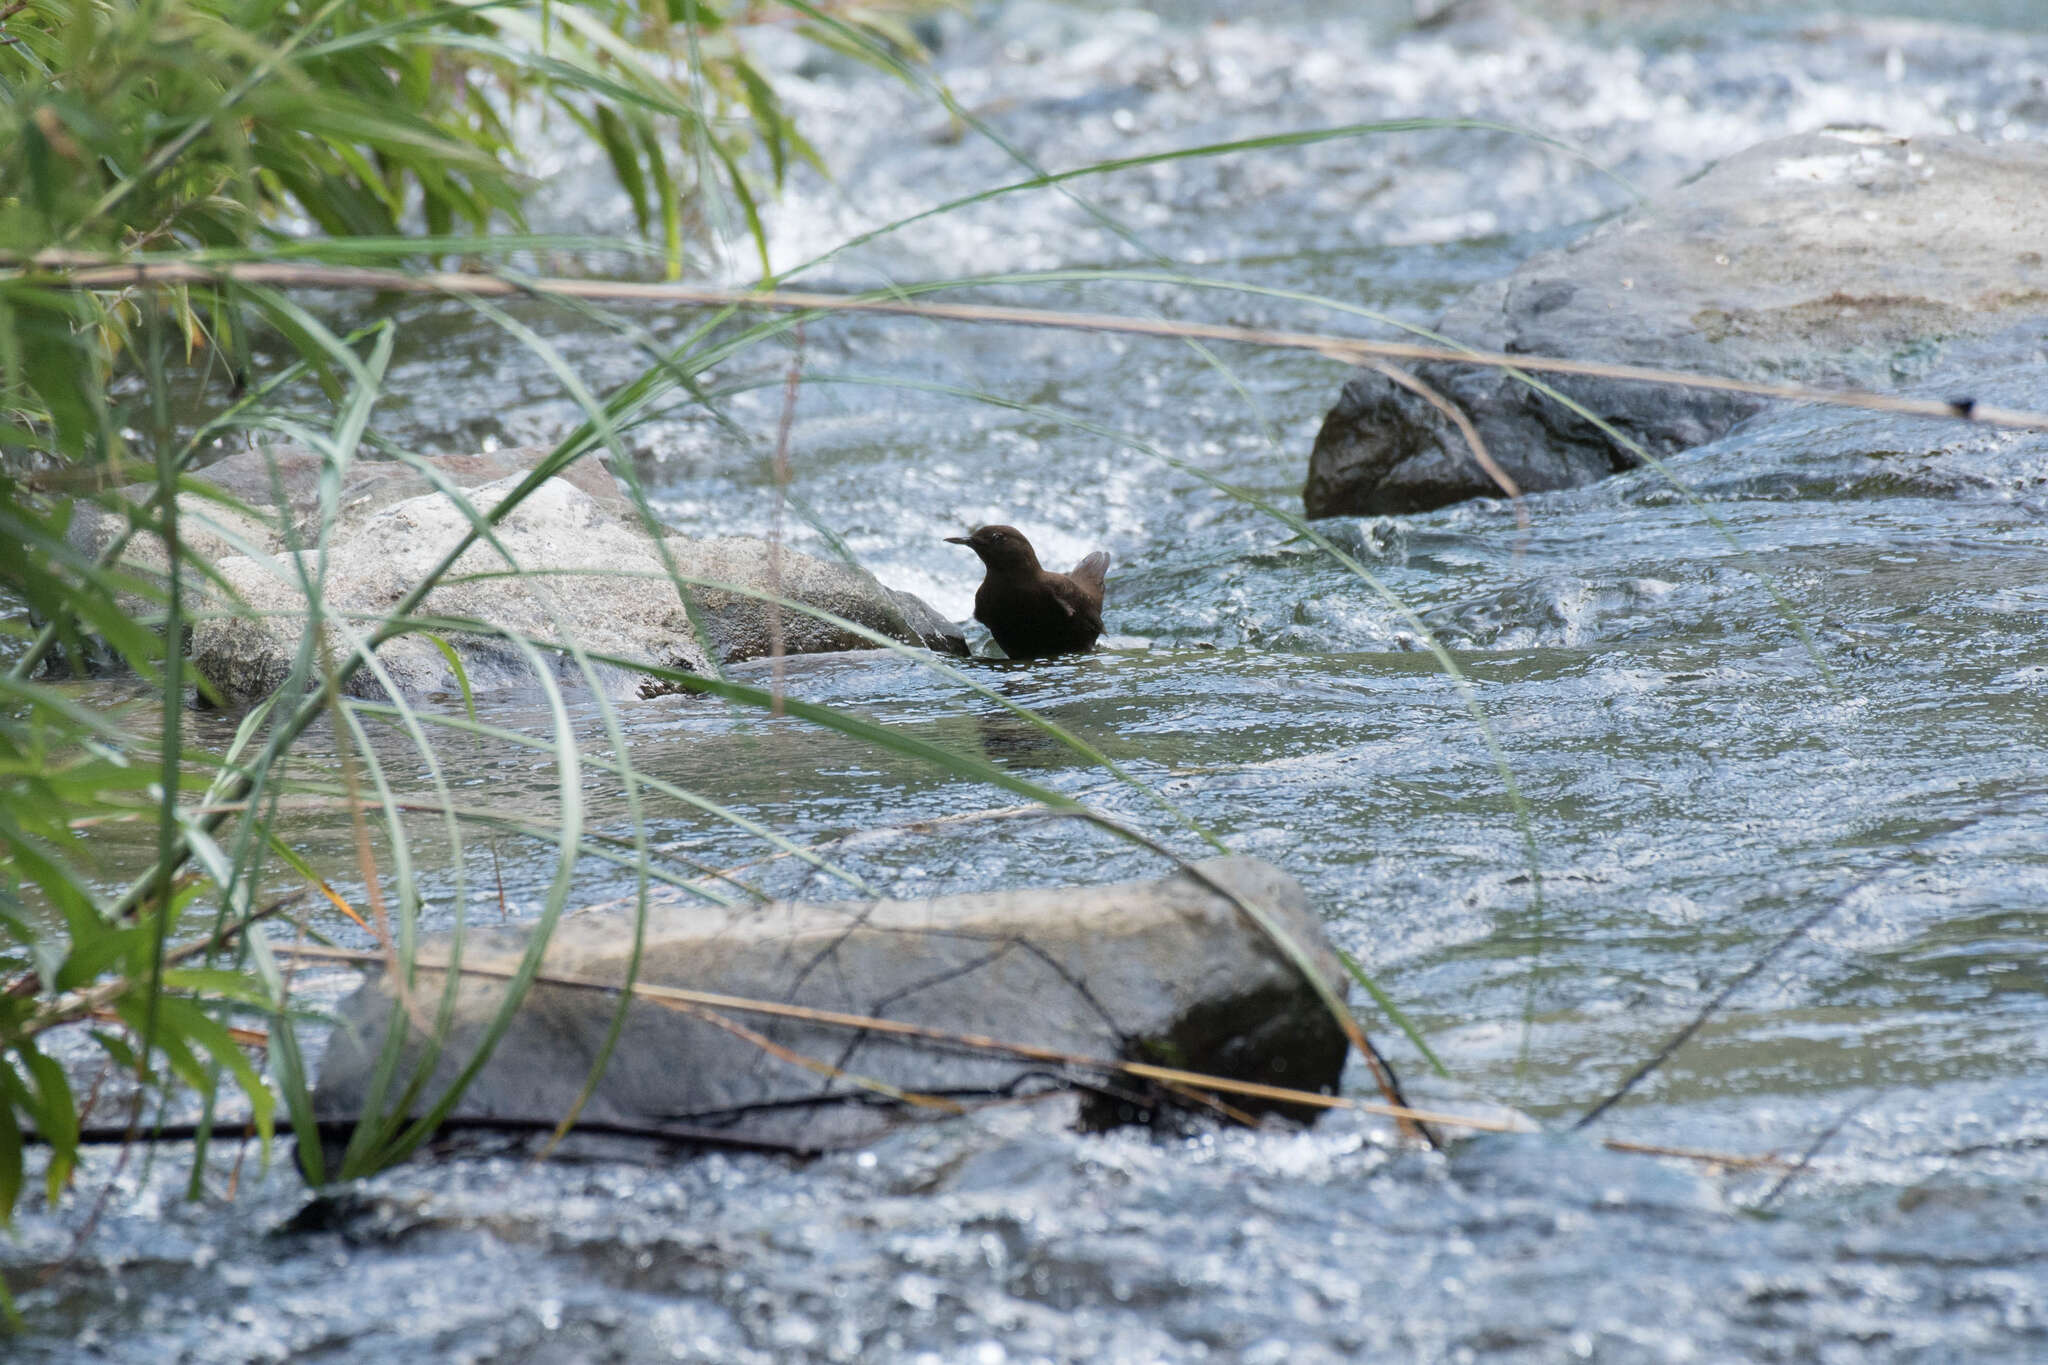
x=103, y=1135
x=1721, y=997
x=1733, y=1162
x=366, y=857
x=1208, y=1101
x=1164, y=1075
x=915, y=1099
x=79, y=270
x=80, y=1003
x=108, y=1134
x=1812, y=1150
x=126, y=1135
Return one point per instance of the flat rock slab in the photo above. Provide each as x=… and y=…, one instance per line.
x=1169, y=971
x=595, y=575
x=602, y=586
x=280, y=486
x=1827, y=258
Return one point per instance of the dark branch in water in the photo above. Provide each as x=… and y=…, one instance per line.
x=104, y=1135
x=1825, y=1136
x=1712, y=1007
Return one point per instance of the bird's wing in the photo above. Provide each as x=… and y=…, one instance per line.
x=1090, y=570
x=1076, y=601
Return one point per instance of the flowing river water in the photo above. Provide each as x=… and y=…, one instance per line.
x=1696, y=781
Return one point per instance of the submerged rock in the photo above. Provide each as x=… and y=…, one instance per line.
x=1167, y=971
x=593, y=574
x=1827, y=258
x=1812, y=452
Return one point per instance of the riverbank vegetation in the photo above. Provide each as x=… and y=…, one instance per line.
x=178, y=145
x=184, y=181
x=203, y=133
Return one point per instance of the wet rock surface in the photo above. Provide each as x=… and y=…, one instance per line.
x=1696, y=787
x=1826, y=258
x=1169, y=971
x=1812, y=451
x=281, y=490
x=603, y=581
x=743, y=627
x=602, y=588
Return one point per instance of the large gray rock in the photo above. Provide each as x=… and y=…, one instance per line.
x=1843, y=259
x=262, y=500
x=1811, y=451
x=603, y=589
x=280, y=487
x=1166, y=971
x=743, y=627
x=604, y=580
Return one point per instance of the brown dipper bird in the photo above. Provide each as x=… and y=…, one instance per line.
x=1034, y=614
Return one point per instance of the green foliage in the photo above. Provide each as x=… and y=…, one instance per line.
x=376, y=132
x=234, y=126
x=363, y=131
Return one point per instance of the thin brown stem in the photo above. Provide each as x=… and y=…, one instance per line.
x=1165, y=1075
x=1480, y=455
x=76, y=270
x=792, y=384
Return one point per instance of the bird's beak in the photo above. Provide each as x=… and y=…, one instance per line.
x=958, y=540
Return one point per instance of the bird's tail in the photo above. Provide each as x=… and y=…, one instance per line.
x=1089, y=571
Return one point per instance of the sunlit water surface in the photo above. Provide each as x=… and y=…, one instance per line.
x=1697, y=776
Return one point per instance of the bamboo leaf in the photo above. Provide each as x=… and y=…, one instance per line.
x=618, y=144
x=736, y=181
x=287, y=1063
x=54, y=1113
x=214, y=981
x=209, y=1033
x=769, y=122
x=10, y=1142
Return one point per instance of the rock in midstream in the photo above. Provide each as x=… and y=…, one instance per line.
x=1167, y=971
x=592, y=574
x=1842, y=258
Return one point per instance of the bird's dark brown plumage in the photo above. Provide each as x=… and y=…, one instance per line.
x=1033, y=612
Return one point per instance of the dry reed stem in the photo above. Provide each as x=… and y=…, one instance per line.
x=88, y=271
x=247, y=1037
x=1769, y=1162
x=669, y=996
x=703, y=1003
x=916, y=1099
x=1480, y=454
x=85, y=1000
